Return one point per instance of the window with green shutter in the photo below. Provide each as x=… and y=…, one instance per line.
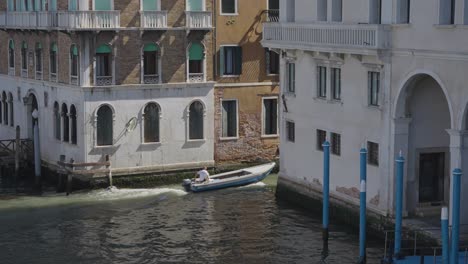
x=102, y=5
x=230, y=60
x=150, y=5
x=53, y=5
x=194, y=5
x=73, y=5
x=196, y=58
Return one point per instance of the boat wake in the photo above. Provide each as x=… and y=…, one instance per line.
x=109, y=194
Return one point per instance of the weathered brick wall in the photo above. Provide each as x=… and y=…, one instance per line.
x=4, y=38
x=129, y=12
x=175, y=12
x=128, y=57
x=250, y=145
x=3, y=5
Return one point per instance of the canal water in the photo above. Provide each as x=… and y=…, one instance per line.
x=166, y=225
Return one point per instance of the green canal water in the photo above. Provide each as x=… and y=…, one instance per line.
x=166, y=225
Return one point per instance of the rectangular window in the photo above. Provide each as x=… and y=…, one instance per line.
x=337, y=7
x=403, y=15
x=270, y=116
x=231, y=60
x=374, y=87
x=291, y=11
x=150, y=63
x=11, y=58
x=24, y=59
x=195, y=66
x=103, y=65
x=290, y=131
x=291, y=77
x=336, y=83
x=321, y=82
x=375, y=11
x=272, y=62
x=322, y=10
x=229, y=118
x=321, y=138
x=39, y=60
x=53, y=62
x=336, y=144
x=447, y=12
x=373, y=153
x=74, y=65
x=228, y=6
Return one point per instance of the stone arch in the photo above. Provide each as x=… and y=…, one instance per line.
x=422, y=115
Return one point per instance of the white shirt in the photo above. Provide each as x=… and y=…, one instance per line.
x=203, y=175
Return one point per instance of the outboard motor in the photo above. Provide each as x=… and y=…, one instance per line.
x=186, y=184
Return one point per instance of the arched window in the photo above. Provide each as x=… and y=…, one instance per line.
x=151, y=123
x=66, y=123
x=11, y=56
x=38, y=61
x=24, y=59
x=103, y=69
x=73, y=124
x=104, y=126
x=195, y=63
x=57, y=121
x=196, y=120
x=10, y=104
x=150, y=63
x=53, y=62
x=5, y=108
x=74, y=65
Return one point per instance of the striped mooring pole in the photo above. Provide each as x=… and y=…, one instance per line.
x=326, y=194
x=362, y=205
x=444, y=222
x=400, y=164
x=455, y=216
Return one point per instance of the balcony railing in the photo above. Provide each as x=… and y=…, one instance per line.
x=28, y=20
x=153, y=19
x=272, y=15
x=198, y=19
x=360, y=37
x=196, y=77
x=150, y=78
x=83, y=20
x=103, y=80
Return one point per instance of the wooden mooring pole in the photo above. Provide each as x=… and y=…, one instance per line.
x=109, y=170
x=70, y=177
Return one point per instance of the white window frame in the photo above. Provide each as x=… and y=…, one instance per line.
x=332, y=87
x=95, y=125
x=187, y=62
x=143, y=124
x=264, y=119
x=332, y=144
x=268, y=62
x=287, y=130
x=70, y=66
x=237, y=119
x=327, y=80
x=11, y=69
x=287, y=78
x=187, y=128
x=56, y=66
x=111, y=64
x=236, y=6
x=42, y=64
x=369, y=89
x=142, y=61
x=224, y=53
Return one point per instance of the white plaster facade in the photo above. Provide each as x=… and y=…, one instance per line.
x=423, y=94
x=129, y=153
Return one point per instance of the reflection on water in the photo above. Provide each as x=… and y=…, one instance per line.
x=165, y=225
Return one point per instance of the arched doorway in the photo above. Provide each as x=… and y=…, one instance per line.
x=422, y=118
x=31, y=104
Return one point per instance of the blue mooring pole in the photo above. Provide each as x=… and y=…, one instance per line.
x=362, y=211
x=326, y=193
x=444, y=222
x=400, y=164
x=455, y=216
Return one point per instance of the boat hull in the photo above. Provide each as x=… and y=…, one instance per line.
x=250, y=179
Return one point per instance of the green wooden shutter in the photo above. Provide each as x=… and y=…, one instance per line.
x=102, y=5
x=54, y=47
x=221, y=61
x=150, y=5
x=150, y=47
x=12, y=44
x=196, y=52
x=73, y=5
x=10, y=5
x=53, y=5
x=238, y=60
x=104, y=49
x=37, y=5
x=195, y=5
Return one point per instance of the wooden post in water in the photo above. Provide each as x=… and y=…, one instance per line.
x=70, y=177
x=61, y=174
x=17, y=154
x=109, y=171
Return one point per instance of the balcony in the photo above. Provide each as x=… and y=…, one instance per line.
x=89, y=20
x=198, y=20
x=153, y=19
x=28, y=20
x=360, y=39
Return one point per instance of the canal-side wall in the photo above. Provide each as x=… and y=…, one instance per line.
x=345, y=211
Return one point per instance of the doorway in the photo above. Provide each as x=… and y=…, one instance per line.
x=431, y=177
